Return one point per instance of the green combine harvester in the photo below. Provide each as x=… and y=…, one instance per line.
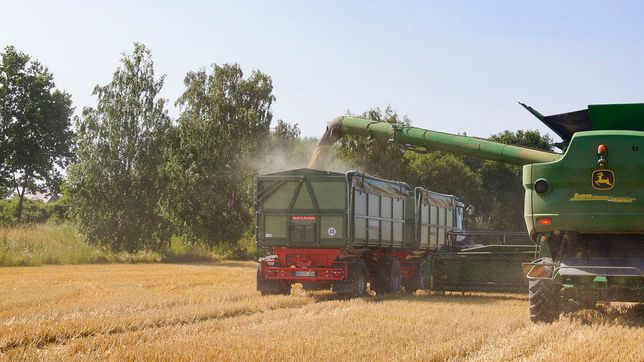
x=583, y=207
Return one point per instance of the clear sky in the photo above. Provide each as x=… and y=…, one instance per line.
x=449, y=65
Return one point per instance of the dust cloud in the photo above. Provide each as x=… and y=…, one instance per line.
x=303, y=154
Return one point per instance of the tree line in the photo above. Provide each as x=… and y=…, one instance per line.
x=132, y=177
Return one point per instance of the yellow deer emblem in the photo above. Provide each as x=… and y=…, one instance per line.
x=603, y=179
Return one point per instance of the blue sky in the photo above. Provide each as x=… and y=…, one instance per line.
x=450, y=66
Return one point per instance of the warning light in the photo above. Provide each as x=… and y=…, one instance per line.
x=544, y=221
x=602, y=150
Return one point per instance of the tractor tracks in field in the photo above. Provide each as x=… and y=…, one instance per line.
x=45, y=338
x=39, y=336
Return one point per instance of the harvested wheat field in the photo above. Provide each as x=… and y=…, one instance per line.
x=212, y=311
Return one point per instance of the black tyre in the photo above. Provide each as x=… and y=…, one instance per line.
x=375, y=283
x=358, y=275
x=259, y=277
x=588, y=304
x=282, y=289
x=312, y=286
x=417, y=282
x=356, y=285
x=544, y=297
x=386, y=278
x=285, y=289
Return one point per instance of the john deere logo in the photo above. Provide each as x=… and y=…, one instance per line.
x=603, y=179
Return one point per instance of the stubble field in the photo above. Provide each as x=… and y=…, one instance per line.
x=212, y=312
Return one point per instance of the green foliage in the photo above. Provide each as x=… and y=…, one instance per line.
x=222, y=130
x=445, y=173
x=178, y=251
x=502, y=194
x=38, y=244
x=33, y=212
x=116, y=186
x=285, y=134
x=529, y=138
x=45, y=244
x=502, y=205
x=35, y=127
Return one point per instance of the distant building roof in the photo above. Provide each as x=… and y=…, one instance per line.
x=42, y=197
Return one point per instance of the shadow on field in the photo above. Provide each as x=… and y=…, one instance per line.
x=224, y=263
x=422, y=296
x=461, y=298
x=236, y=264
x=618, y=314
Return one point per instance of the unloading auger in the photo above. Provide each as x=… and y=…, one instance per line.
x=423, y=139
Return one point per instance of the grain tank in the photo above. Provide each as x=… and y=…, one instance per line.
x=584, y=206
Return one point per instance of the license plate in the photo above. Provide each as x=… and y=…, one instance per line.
x=304, y=273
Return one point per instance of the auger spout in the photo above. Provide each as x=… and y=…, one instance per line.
x=329, y=138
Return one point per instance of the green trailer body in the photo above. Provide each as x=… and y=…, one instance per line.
x=319, y=209
x=583, y=207
x=437, y=216
x=308, y=208
x=294, y=207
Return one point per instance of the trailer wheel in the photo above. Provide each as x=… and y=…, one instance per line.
x=282, y=289
x=312, y=286
x=358, y=274
x=387, y=276
x=285, y=288
x=544, y=297
x=417, y=282
x=356, y=285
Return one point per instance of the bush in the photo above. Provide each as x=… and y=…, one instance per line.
x=7, y=214
x=38, y=244
x=46, y=244
x=33, y=212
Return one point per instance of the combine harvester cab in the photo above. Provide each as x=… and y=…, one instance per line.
x=341, y=231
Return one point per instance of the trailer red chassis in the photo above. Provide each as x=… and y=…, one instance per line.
x=304, y=265
x=304, y=274
x=276, y=273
